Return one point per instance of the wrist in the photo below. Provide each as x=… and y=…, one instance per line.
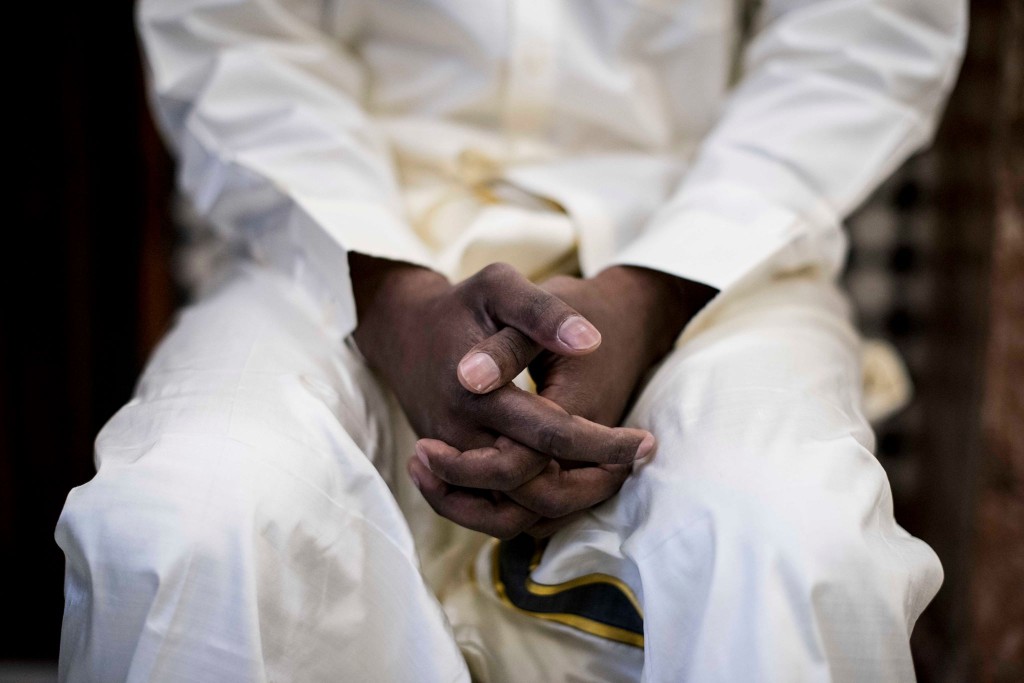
x=661, y=303
x=387, y=295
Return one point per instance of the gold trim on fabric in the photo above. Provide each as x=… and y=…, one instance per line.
x=585, y=580
x=576, y=621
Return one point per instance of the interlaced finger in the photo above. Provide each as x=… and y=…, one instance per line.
x=484, y=511
x=502, y=467
x=544, y=426
x=496, y=360
x=557, y=492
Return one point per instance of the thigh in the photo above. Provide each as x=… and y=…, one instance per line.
x=760, y=404
x=241, y=525
x=762, y=534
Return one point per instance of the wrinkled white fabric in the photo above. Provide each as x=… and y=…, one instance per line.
x=760, y=538
x=306, y=128
x=251, y=520
x=234, y=530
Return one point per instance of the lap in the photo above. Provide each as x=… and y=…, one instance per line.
x=258, y=437
x=762, y=405
x=761, y=400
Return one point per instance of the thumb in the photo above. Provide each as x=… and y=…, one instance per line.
x=511, y=299
x=497, y=360
x=534, y=319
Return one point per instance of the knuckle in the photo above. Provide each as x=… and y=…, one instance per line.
x=509, y=475
x=556, y=440
x=510, y=349
x=615, y=448
x=551, y=506
x=495, y=273
x=538, y=309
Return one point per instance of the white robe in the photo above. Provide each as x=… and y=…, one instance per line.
x=307, y=128
x=250, y=519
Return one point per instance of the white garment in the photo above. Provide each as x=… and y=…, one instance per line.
x=306, y=128
x=243, y=523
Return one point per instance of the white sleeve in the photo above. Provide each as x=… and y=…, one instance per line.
x=263, y=110
x=833, y=96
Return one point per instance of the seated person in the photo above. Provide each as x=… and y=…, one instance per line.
x=637, y=201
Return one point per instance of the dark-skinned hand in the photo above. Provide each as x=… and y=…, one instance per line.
x=640, y=313
x=414, y=327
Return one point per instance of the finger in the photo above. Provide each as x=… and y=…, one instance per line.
x=505, y=466
x=492, y=514
x=540, y=315
x=496, y=360
x=544, y=426
x=558, y=492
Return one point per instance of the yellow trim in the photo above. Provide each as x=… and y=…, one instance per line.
x=544, y=589
x=576, y=621
x=585, y=580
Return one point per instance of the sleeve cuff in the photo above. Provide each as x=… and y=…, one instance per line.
x=312, y=246
x=724, y=235
x=730, y=238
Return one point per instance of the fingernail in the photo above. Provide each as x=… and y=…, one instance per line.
x=578, y=334
x=421, y=453
x=415, y=479
x=646, y=449
x=480, y=371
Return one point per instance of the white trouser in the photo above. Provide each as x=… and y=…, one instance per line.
x=251, y=520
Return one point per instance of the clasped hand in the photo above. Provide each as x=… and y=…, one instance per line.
x=493, y=457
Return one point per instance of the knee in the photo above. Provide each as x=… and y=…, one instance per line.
x=143, y=519
x=781, y=472
x=174, y=530
x=825, y=527
x=805, y=494
x=213, y=505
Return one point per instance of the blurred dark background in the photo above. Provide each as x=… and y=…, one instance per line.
x=937, y=268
